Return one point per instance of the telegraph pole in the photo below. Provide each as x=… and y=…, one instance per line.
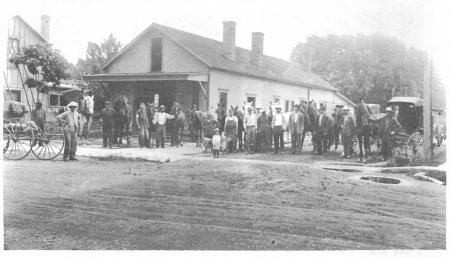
x=427, y=107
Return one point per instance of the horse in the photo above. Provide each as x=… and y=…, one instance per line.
x=122, y=120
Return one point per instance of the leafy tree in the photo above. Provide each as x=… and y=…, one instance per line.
x=96, y=56
x=46, y=65
x=374, y=67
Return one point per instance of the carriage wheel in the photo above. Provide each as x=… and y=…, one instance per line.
x=48, y=143
x=17, y=139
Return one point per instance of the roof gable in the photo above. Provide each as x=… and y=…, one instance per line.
x=21, y=20
x=209, y=52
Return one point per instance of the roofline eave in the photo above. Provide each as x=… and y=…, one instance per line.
x=141, y=35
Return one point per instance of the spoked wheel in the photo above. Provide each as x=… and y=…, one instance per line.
x=49, y=142
x=17, y=138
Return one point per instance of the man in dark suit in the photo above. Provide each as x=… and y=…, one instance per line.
x=296, y=126
x=323, y=128
x=389, y=126
x=108, y=117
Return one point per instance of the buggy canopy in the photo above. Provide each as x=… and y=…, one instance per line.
x=418, y=102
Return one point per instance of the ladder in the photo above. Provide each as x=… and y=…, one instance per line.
x=14, y=50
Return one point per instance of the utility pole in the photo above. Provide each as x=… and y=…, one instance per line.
x=427, y=107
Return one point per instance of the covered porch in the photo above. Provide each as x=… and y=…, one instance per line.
x=183, y=88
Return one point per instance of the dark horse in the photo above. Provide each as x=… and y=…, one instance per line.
x=122, y=121
x=311, y=114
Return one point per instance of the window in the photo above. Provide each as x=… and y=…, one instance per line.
x=54, y=100
x=251, y=99
x=223, y=97
x=57, y=101
x=156, y=55
x=14, y=95
x=288, y=106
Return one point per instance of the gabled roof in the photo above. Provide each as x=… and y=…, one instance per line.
x=17, y=17
x=209, y=52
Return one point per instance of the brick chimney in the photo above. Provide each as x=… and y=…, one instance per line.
x=257, y=48
x=45, y=27
x=229, y=40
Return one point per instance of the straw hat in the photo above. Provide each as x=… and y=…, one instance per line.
x=72, y=104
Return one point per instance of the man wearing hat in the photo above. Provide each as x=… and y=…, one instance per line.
x=264, y=127
x=160, y=120
x=348, y=131
x=38, y=115
x=70, y=120
x=389, y=126
x=323, y=124
x=296, y=126
x=250, y=123
x=278, y=125
x=108, y=124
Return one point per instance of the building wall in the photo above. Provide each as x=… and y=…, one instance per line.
x=26, y=36
x=137, y=59
x=239, y=87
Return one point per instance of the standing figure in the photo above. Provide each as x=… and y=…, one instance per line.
x=389, y=126
x=363, y=128
x=240, y=129
x=108, y=124
x=338, y=123
x=178, y=127
x=278, y=125
x=348, y=131
x=208, y=126
x=151, y=127
x=231, y=130
x=197, y=126
x=38, y=115
x=69, y=119
x=296, y=126
x=142, y=125
x=323, y=125
x=160, y=120
x=216, y=139
x=264, y=128
x=250, y=122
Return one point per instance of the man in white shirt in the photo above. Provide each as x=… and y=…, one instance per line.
x=69, y=119
x=278, y=125
x=160, y=120
x=250, y=123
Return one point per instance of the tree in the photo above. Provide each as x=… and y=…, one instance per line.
x=46, y=65
x=96, y=56
x=374, y=67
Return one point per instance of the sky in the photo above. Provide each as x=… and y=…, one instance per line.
x=284, y=23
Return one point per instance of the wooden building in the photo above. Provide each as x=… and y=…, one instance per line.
x=191, y=69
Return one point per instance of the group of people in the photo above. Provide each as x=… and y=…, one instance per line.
x=252, y=129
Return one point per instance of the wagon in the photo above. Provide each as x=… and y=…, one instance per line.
x=409, y=141
x=20, y=137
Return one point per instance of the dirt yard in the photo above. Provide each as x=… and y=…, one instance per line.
x=214, y=204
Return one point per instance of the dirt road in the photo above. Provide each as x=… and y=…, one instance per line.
x=193, y=204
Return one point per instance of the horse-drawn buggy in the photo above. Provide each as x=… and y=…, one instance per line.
x=22, y=136
x=409, y=140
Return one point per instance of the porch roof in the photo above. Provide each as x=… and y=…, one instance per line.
x=119, y=77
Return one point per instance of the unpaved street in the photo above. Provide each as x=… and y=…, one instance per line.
x=214, y=204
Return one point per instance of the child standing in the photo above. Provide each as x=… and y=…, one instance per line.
x=216, y=140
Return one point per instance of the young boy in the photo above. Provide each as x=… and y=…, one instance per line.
x=216, y=140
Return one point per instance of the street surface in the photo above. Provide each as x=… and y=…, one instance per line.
x=204, y=203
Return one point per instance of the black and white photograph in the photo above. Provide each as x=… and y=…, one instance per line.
x=224, y=125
